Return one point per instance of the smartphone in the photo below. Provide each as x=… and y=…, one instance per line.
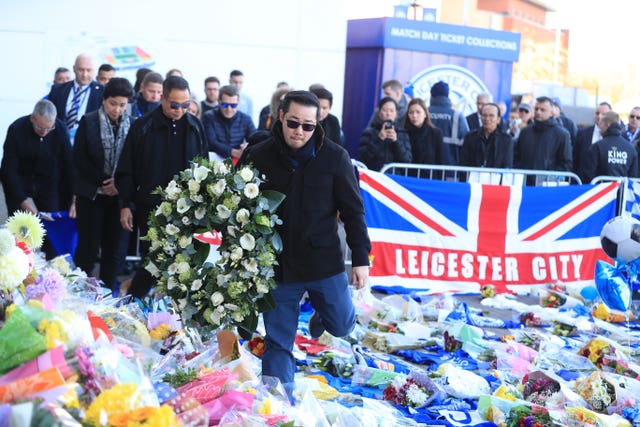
x=388, y=124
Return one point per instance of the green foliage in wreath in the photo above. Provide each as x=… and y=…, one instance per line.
x=233, y=290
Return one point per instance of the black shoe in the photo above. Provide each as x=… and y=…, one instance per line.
x=316, y=328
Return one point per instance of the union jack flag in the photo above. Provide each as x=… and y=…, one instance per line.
x=440, y=236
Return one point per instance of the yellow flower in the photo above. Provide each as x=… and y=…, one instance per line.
x=27, y=228
x=70, y=399
x=162, y=416
x=265, y=408
x=53, y=332
x=120, y=398
x=161, y=332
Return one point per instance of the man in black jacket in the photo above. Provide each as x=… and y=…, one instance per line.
x=318, y=180
x=488, y=146
x=328, y=121
x=545, y=145
x=613, y=155
x=36, y=165
x=158, y=146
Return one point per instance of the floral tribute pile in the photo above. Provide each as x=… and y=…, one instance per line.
x=73, y=355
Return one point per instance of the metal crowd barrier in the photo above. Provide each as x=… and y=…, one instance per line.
x=625, y=193
x=495, y=176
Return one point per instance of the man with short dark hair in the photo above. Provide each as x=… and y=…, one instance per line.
x=236, y=78
x=75, y=98
x=159, y=145
x=317, y=178
x=226, y=128
x=328, y=121
x=105, y=73
x=564, y=121
x=545, y=145
x=61, y=75
x=487, y=146
x=612, y=155
x=211, y=93
x=36, y=166
x=148, y=99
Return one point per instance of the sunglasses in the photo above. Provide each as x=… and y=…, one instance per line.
x=307, y=127
x=631, y=116
x=227, y=105
x=177, y=105
x=522, y=110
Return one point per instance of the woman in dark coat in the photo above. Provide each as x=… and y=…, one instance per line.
x=97, y=148
x=427, y=146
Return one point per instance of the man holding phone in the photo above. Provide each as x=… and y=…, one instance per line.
x=385, y=141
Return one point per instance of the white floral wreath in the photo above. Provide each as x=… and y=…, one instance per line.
x=213, y=195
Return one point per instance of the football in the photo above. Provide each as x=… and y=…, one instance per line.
x=620, y=238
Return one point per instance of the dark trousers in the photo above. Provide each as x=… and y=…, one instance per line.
x=142, y=281
x=98, y=223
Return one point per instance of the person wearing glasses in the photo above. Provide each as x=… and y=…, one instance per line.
x=159, y=145
x=632, y=131
x=525, y=118
x=36, y=166
x=385, y=140
x=98, y=144
x=488, y=146
x=318, y=180
x=226, y=128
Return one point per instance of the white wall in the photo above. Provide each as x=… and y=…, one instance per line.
x=299, y=41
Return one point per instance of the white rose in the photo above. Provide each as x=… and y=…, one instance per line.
x=215, y=317
x=237, y=316
x=183, y=267
x=223, y=211
x=155, y=244
x=182, y=206
x=222, y=169
x=219, y=167
x=197, y=198
x=246, y=174
x=171, y=229
x=236, y=254
x=222, y=279
x=251, y=190
x=184, y=241
x=172, y=190
x=262, y=288
x=152, y=269
x=186, y=220
x=248, y=242
x=200, y=173
x=194, y=187
x=200, y=213
x=242, y=216
x=196, y=284
x=172, y=269
x=217, y=298
x=219, y=187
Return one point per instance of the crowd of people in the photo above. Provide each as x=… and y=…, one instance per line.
x=539, y=137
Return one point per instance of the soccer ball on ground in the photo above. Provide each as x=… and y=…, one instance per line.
x=620, y=238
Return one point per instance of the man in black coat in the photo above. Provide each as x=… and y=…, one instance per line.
x=75, y=98
x=159, y=145
x=613, y=155
x=318, y=180
x=544, y=145
x=36, y=166
x=585, y=138
x=474, y=119
x=488, y=146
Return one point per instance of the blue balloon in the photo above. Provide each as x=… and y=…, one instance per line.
x=613, y=286
x=589, y=293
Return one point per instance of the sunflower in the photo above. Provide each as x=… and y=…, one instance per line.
x=27, y=228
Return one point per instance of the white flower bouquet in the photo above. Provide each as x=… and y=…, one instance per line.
x=213, y=195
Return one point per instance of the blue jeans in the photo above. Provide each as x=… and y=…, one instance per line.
x=331, y=299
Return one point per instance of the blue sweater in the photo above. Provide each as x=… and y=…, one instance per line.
x=223, y=134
